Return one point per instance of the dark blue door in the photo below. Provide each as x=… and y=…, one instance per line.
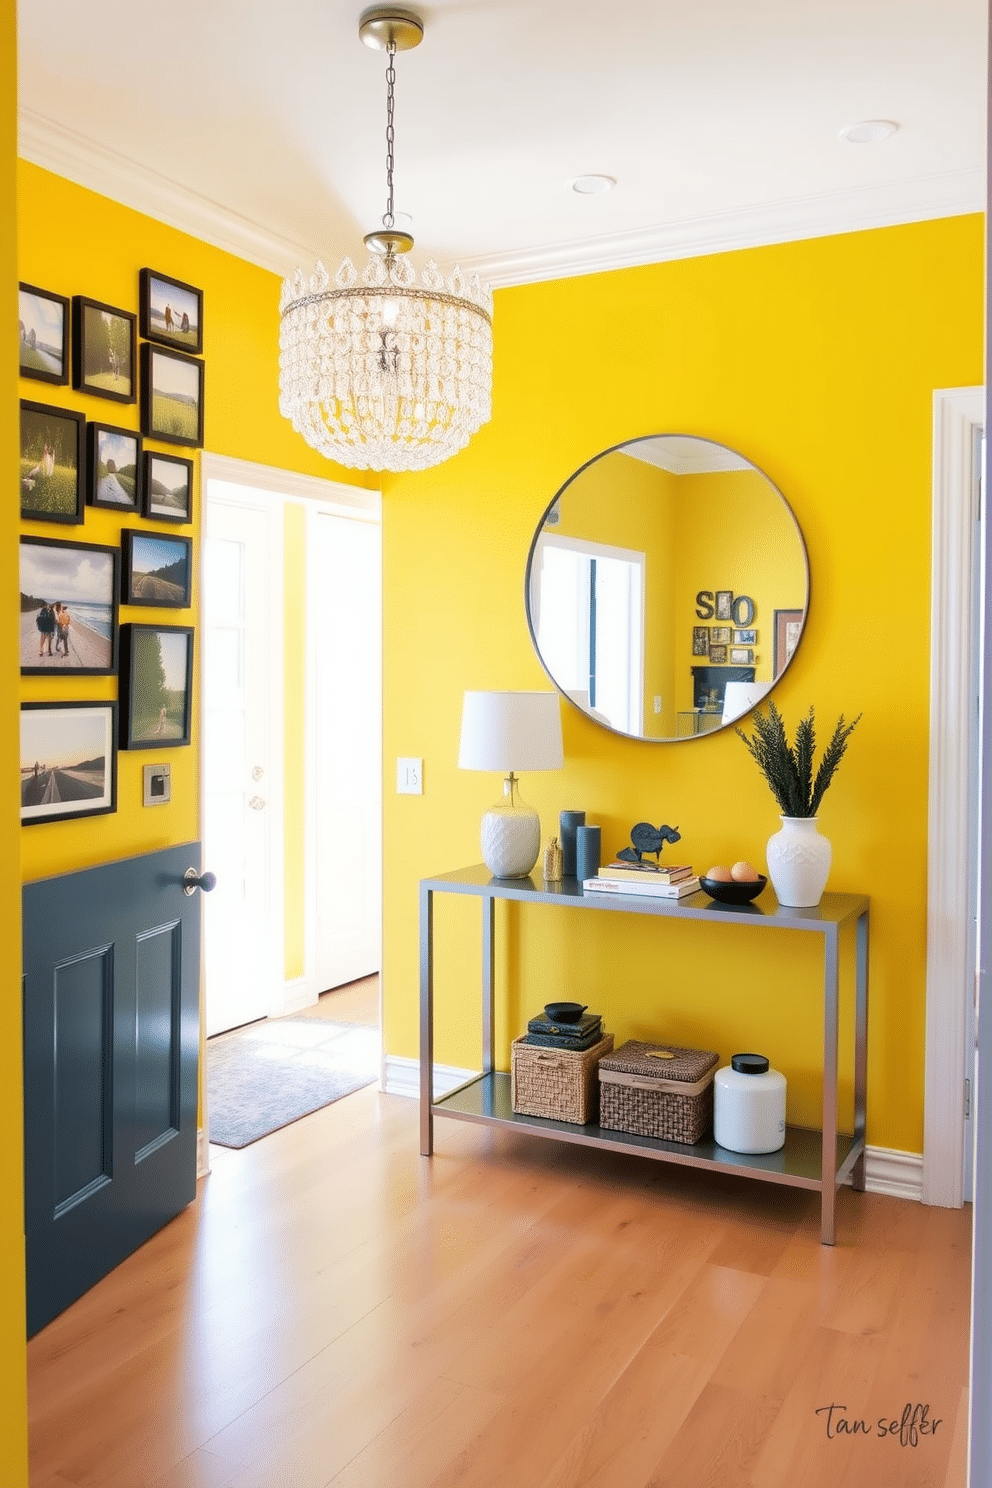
x=111, y=1041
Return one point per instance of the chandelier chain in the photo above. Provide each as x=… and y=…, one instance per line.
x=388, y=218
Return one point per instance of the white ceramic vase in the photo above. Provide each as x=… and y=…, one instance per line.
x=798, y=861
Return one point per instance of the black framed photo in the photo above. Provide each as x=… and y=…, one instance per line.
x=68, y=760
x=52, y=463
x=745, y=637
x=103, y=350
x=171, y=396
x=724, y=601
x=158, y=570
x=168, y=487
x=156, y=685
x=44, y=334
x=700, y=640
x=114, y=467
x=171, y=311
x=788, y=629
x=69, y=598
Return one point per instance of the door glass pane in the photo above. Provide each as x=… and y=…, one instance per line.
x=223, y=587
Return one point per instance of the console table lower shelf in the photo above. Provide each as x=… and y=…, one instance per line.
x=488, y=1101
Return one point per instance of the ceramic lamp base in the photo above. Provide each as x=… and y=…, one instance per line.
x=511, y=835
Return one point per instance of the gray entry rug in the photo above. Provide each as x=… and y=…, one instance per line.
x=271, y=1073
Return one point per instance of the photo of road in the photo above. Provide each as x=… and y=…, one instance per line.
x=42, y=784
x=66, y=760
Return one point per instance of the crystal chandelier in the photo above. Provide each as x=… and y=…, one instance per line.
x=379, y=370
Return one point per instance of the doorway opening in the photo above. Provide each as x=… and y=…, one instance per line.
x=291, y=779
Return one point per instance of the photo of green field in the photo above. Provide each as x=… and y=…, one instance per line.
x=172, y=391
x=49, y=472
x=176, y=416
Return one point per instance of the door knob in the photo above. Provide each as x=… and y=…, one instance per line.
x=256, y=803
x=193, y=881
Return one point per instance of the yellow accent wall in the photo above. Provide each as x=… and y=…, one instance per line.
x=99, y=255
x=817, y=360
x=13, y=1389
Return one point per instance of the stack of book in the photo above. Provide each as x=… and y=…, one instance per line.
x=575, y=1036
x=618, y=877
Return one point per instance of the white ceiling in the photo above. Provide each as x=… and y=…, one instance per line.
x=260, y=125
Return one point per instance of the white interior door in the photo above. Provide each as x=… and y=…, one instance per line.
x=241, y=631
x=344, y=609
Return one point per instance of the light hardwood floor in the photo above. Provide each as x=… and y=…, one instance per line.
x=334, y=1309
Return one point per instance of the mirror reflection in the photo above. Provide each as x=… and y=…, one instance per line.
x=667, y=586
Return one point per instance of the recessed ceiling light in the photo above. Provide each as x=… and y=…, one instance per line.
x=868, y=132
x=592, y=185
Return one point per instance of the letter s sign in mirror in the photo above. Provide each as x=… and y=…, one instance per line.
x=656, y=583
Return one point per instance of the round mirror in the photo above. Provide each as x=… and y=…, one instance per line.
x=667, y=586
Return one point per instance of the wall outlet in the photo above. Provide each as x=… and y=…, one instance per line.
x=657, y=704
x=409, y=777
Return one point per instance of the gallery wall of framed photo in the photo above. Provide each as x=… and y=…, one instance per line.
x=71, y=242
x=105, y=493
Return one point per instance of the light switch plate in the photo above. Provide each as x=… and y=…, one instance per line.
x=157, y=785
x=409, y=777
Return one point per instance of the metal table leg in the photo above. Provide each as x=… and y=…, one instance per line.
x=828, y=1159
x=488, y=982
x=426, y=1020
x=861, y=1051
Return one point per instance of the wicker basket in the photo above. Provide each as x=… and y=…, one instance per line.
x=658, y=1090
x=558, y=1083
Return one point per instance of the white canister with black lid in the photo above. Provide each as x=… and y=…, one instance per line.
x=749, y=1105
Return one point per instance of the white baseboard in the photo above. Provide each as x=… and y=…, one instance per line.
x=898, y=1174
x=401, y=1076
x=298, y=994
x=887, y=1171
x=202, y=1153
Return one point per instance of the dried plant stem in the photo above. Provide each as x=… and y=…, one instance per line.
x=788, y=768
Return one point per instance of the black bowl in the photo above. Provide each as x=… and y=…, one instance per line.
x=565, y=1012
x=733, y=892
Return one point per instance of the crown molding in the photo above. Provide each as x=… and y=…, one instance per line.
x=109, y=173
x=891, y=205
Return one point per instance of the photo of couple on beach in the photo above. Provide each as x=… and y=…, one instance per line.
x=68, y=603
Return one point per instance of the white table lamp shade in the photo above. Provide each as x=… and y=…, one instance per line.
x=511, y=731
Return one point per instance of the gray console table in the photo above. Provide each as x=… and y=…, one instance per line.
x=820, y=1160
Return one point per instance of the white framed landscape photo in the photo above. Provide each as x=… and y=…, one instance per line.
x=68, y=760
x=167, y=488
x=171, y=396
x=44, y=334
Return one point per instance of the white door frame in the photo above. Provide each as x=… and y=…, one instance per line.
x=278, y=489
x=950, y=952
